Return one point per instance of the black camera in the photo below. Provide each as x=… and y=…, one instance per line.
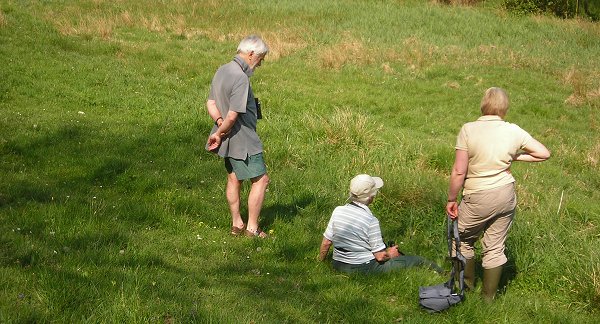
x=258, y=110
x=392, y=243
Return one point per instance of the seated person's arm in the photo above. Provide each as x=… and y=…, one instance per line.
x=324, y=250
x=386, y=254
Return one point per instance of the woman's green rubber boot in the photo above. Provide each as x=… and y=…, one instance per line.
x=491, y=278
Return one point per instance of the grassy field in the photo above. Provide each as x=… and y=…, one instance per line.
x=111, y=210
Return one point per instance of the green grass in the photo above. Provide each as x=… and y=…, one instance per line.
x=111, y=210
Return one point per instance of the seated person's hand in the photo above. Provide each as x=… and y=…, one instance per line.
x=393, y=252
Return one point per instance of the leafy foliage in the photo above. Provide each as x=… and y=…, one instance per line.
x=560, y=8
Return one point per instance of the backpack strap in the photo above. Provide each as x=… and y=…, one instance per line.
x=453, y=237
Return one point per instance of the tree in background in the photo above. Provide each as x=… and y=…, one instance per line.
x=560, y=8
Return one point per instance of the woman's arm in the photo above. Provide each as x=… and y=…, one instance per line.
x=457, y=179
x=534, y=152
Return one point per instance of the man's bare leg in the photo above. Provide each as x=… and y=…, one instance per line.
x=255, y=200
x=233, y=198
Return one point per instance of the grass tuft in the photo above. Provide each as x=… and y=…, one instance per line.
x=578, y=82
x=346, y=129
x=283, y=42
x=593, y=155
x=127, y=19
x=348, y=51
x=3, y=21
x=458, y=2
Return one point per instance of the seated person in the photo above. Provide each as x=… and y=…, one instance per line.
x=356, y=236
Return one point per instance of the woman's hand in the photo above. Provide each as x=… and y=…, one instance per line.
x=452, y=209
x=457, y=179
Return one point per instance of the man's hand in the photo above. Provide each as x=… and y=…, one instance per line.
x=393, y=252
x=214, y=141
x=452, y=209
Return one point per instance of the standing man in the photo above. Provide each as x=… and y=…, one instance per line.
x=235, y=111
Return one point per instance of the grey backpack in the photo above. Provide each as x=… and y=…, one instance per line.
x=440, y=297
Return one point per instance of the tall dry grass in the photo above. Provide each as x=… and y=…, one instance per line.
x=584, y=87
x=83, y=24
x=2, y=19
x=458, y=2
x=348, y=51
x=344, y=128
x=284, y=42
x=593, y=155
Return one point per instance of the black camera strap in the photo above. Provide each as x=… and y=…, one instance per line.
x=453, y=236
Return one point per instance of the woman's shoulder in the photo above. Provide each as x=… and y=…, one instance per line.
x=513, y=126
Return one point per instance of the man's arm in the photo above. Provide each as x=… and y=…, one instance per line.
x=214, y=140
x=324, y=249
x=213, y=112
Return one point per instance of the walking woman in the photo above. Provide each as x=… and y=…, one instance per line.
x=485, y=150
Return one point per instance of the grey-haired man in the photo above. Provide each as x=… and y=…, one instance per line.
x=232, y=106
x=354, y=232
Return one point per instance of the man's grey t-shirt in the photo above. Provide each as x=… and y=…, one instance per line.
x=231, y=90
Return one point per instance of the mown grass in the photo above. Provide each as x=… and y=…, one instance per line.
x=111, y=210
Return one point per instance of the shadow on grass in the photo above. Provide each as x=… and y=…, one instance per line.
x=79, y=290
x=29, y=152
x=285, y=212
x=22, y=191
x=109, y=170
x=299, y=288
x=73, y=159
x=30, y=147
x=509, y=271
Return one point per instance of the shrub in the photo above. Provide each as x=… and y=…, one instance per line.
x=591, y=8
x=459, y=2
x=560, y=8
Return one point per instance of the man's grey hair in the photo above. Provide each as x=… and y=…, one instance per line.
x=253, y=43
x=363, y=199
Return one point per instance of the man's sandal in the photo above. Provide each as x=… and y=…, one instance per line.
x=235, y=231
x=258, y=233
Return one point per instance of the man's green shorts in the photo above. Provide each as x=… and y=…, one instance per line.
x=252, y=167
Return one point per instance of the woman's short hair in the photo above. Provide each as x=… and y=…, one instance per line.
x=494, y=102
x=253, y=43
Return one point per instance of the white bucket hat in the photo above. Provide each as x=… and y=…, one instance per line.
x=364, y=186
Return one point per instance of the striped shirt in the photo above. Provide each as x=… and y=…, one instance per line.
x=355, y=234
